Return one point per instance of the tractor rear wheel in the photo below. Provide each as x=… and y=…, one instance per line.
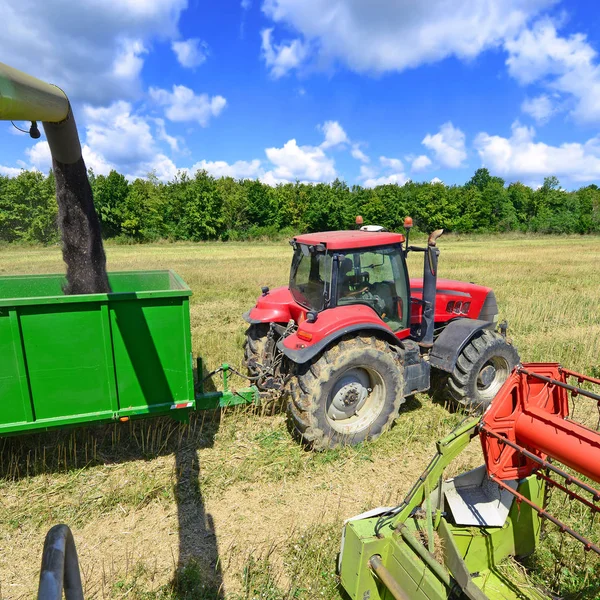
x=350, y=393
x=482, y=367
x=254, y=347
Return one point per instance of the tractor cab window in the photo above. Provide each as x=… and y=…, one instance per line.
x=310, y=277
x=376, y=277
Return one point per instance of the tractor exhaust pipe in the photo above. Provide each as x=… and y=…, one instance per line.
x=430, y=263
x=25, y=98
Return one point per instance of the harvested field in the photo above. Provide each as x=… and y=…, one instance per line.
x=230, y=506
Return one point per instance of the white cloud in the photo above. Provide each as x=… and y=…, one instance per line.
x=190, y=53
x=392, y=173
x=368, y=172
x=162, y=166
x=240, y=169
x=9, y=171
x=122, y=137
x=95, y=161
x=436, y=180
x=182, y=104
x=246, y=4
x=128, y=62
x=397, y=178
x=538, y=52
x=334, y=134
x=567, y=65
x=392, y=35
x=118, y=138
x=39, y=156
x=392, y=163
x=282, y=58
x=541, y=108
x=520, y=157
x=23, y=128
x=358, y=154
x=305, y=163
x=161, y=134
x=420, y=163
x=93, y=50
x=448, y=145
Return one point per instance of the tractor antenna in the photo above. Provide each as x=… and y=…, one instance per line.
x=408, y=223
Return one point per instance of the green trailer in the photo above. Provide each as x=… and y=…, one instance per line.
x=79, y=359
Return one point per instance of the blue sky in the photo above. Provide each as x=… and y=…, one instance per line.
x=371, y=91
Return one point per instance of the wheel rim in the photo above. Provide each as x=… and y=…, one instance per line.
x=356, y=400
x=491, y=376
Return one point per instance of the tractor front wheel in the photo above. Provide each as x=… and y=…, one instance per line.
x=350, y=393
x=254, y=347
x=482, y=367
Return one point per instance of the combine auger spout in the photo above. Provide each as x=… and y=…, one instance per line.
x=25, y=98
x=449, y=537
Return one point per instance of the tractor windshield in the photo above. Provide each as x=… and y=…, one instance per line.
x=378, y=278
x=310, y=277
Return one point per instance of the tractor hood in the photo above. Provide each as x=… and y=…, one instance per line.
x=455, y=299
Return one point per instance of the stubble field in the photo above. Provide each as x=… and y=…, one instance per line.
x=230, y=506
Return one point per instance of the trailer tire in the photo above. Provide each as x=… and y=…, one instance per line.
x=254, y=347
x=352, y=392
x=481, y=368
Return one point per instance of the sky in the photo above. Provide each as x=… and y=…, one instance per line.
x=368, y=91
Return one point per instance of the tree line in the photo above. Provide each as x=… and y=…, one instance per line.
x=201, y=207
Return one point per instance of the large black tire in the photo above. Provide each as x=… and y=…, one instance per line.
x=254, y=347
x=350, y=393
x=482, y=367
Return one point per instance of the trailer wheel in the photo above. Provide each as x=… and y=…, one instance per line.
x=350, y=393
x=254, y=347
x=482, y=367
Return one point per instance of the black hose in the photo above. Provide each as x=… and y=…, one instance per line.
x=60, y=568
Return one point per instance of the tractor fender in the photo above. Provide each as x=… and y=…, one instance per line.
x=303, y=355
x=450, y=343
x=256, y=316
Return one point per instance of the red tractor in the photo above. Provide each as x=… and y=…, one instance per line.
x=351, y=336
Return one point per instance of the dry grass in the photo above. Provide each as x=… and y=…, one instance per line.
x=230, y=506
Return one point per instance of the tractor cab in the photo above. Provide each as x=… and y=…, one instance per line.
x=356, y=268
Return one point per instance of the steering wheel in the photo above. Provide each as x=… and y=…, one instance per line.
x=368, y=299
x=357, y=292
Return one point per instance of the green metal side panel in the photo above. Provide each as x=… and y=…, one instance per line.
x=151, y=341
x=14, y=390
x=66, y=361
x=69, y=360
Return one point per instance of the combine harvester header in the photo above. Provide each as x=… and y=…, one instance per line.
x=449, y=538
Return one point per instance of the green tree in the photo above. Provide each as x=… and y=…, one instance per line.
x=110, y=198
x=203, y=216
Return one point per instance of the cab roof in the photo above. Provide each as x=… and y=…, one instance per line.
x=346, y=240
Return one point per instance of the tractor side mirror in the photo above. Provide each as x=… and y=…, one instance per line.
x=433, y=237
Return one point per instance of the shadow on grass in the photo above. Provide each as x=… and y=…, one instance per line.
x=198, y=572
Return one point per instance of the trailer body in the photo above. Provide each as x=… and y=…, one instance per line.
x=69, y=360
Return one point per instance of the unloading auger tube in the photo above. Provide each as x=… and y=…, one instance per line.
x=25, y=98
